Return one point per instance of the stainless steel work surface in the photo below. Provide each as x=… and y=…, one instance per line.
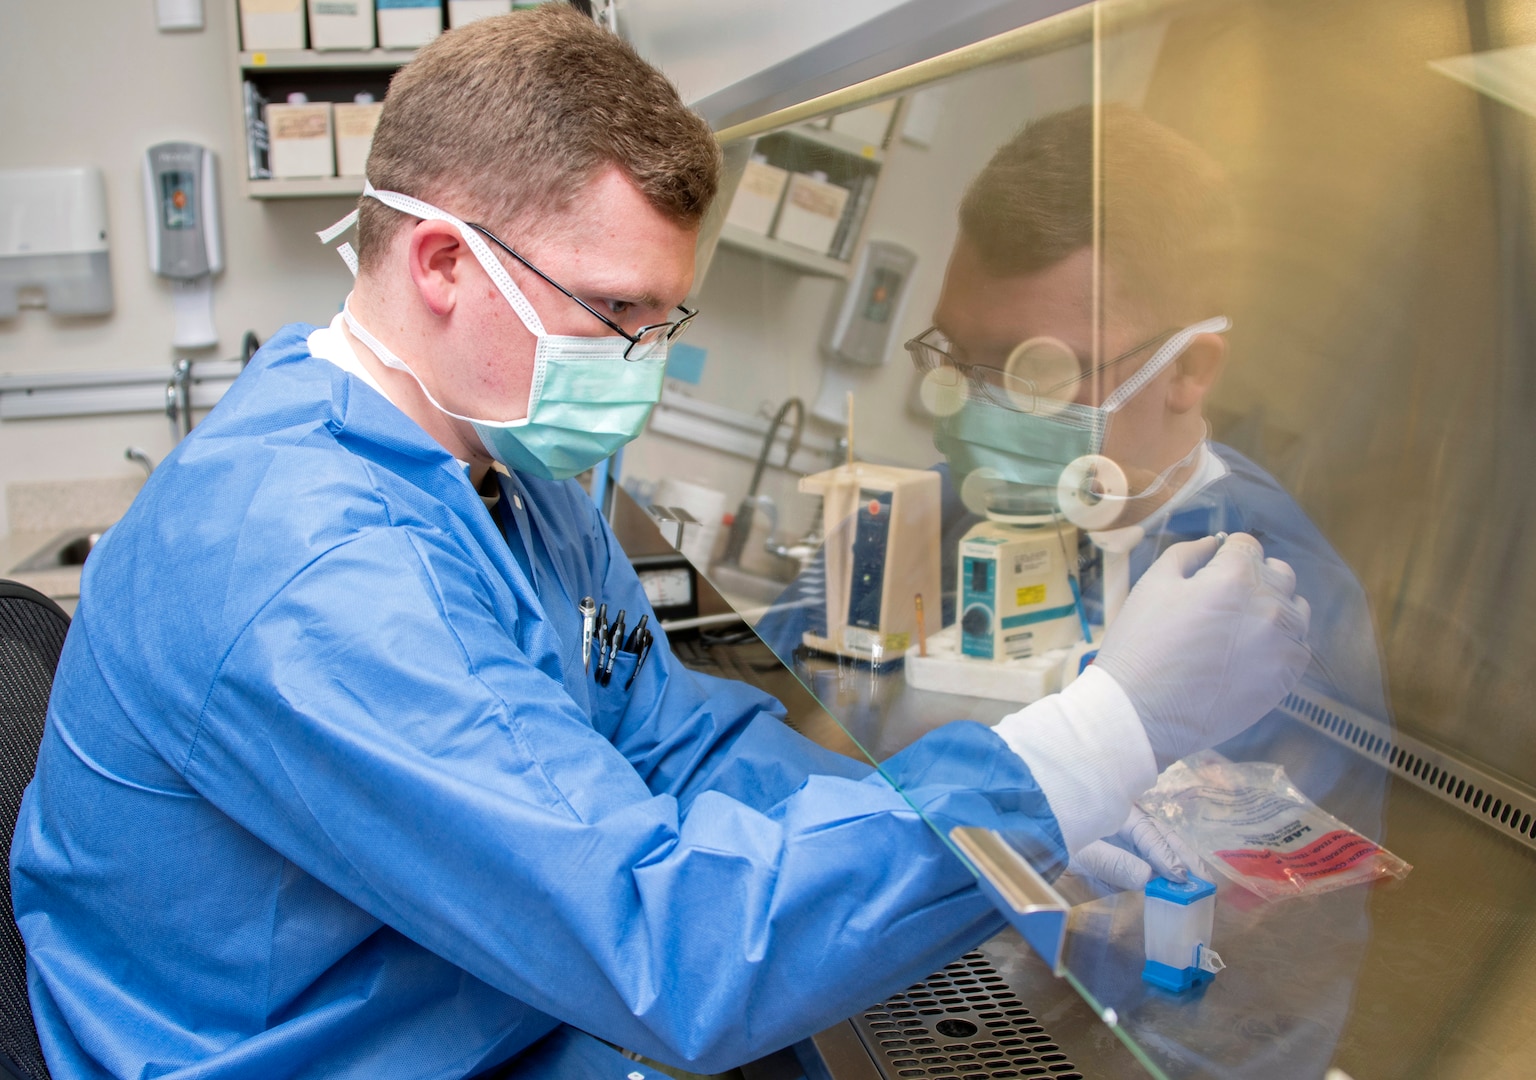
x=1428, y=977
x=1447, y=988
x=1434, y=976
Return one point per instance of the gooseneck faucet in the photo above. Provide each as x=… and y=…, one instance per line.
x=741, y=527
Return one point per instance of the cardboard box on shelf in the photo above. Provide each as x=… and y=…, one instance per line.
x=409, y=24
x=464, y=12
x=812, y=208
x=354, y=123
x=341, y=24
x=757, y=197
x=301, y=140
x=271, y=24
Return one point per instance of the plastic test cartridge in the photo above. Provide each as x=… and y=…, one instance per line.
x=1178, y=919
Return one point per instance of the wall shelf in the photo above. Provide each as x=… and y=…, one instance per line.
x=328, y=60
x=318, y=187
x=803, y=259
x=836, y=140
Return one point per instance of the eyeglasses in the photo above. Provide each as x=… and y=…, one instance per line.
x=641, y=343
x=1042, y=374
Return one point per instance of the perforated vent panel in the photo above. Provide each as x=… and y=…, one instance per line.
x=1496, y=801
x=963, y=1021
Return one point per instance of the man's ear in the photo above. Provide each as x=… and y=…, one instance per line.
x=435, y=253
x=1196, y=372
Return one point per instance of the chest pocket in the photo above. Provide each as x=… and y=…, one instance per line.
x=627, y=689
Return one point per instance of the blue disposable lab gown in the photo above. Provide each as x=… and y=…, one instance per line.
x=325, y=792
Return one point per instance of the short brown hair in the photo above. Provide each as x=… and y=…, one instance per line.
x=513, y=115
x=1167, y=214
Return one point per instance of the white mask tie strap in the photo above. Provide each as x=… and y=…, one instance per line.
x=389, y=359
x=492, y=265
x=1170, y=351
x=405, y=204
x=348, y=255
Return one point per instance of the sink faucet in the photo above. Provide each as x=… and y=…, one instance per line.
x=178, y=400
x=741, y=526
x=133, y=453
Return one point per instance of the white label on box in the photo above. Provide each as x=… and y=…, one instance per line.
x=764, y=181
x=357, y=121
x=823, y=200
x=308, y=124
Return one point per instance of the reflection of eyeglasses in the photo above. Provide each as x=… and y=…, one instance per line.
x=641, y=343
x=1034, y=373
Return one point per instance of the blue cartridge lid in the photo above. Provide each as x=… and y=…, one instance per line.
x=1175, y=893
x=1174, y=980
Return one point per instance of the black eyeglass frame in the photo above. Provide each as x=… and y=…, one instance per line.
x=673, y=329
x=914, y=344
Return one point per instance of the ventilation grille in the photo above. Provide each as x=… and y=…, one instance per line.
x=962, y=1022
x=1495, y=801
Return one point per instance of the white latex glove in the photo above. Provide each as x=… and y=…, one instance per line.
x=1154, y=849
x=1212, y=637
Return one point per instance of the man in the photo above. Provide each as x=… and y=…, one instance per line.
x=328, y=787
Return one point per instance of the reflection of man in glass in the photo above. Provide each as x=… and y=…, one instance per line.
x=1012, y=379
x=1016, y=318
x=1043, y=354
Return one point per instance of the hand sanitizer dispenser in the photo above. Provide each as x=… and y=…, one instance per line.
x=182, y=212
x=53, y=241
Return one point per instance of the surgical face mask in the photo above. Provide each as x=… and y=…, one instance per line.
x=1029, y=461
x=585, y=400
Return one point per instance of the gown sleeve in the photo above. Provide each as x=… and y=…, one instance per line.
x=374, y=725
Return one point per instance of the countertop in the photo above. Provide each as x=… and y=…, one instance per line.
x=40, y=511
x=17, y=547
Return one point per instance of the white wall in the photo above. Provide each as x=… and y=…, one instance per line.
x=92, y=82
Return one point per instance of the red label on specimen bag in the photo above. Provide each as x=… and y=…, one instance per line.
x=1257, y=829
x=1334, y=853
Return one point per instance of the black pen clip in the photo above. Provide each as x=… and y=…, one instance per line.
x=646, y=641
x=636, y=635
x=611, y=653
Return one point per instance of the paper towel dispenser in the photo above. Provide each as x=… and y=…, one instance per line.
x=53, y=240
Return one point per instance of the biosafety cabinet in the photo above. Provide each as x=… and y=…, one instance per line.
x=1170, y=270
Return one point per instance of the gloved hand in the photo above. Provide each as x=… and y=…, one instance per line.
x=1151, y=849
x=1211, y=638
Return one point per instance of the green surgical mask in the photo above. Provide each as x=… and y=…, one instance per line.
x=1010, y=462
x=586, y=400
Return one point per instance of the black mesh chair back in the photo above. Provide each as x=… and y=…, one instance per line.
x=32, y=629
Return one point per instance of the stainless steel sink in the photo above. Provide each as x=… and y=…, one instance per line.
x=67, y=549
